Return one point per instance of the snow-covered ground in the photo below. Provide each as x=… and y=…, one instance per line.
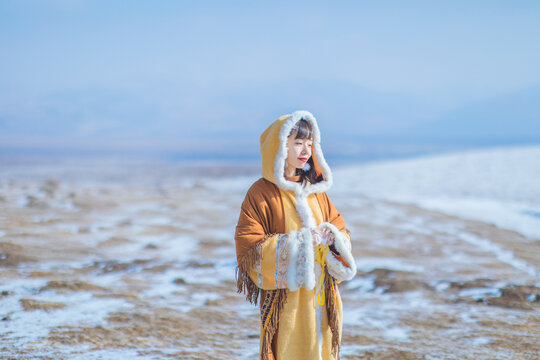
x=499, y=185
x=138, y=262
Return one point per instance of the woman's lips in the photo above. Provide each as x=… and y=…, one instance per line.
x=302, y=159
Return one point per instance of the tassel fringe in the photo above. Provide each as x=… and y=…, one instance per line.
x=277, y=300
x=246, y=264
x=332, y=313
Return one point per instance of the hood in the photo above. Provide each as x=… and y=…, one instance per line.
x=274, y=154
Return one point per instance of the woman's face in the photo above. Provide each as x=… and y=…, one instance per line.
x=299, y=151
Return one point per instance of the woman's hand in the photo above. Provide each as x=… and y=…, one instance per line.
x=329, y=236
x=322, y=237
x=317, y=236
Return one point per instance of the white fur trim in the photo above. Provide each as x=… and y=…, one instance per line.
x=301, y=192
x=300, y=270
x=310, y=279
x=304, y=211
x=292, y=280
x=343, y=246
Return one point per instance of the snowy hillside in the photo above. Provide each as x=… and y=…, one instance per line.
x=500, y=185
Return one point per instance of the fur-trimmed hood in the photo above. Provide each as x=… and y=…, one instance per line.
x=274, y=154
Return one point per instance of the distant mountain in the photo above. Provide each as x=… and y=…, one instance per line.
x=344, y=110
x=511, y=117
x=231, y=120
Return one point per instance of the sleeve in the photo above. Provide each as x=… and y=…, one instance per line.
x=286, y=262
x=267, y=260
x=340, y=261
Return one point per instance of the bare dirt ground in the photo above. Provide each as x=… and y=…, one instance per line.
x=97, y=265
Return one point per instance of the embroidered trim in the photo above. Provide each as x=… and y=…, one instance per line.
x=282, y=260
x=301, y=263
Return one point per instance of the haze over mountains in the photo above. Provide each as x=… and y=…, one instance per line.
x=192, y=79
x=350, y=117
x=513, y=117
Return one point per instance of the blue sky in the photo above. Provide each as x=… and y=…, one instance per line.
x=203, y=75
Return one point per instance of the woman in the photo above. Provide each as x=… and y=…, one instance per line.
x=292, y=245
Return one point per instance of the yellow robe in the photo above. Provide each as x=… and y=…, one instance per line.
x=298, y=322
x=278, y=264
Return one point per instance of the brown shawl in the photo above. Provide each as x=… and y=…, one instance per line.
x=261, y=216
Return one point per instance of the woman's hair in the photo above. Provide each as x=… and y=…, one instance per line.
x=305, y=131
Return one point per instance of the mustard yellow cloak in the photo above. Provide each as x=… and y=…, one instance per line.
x=294, y=282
